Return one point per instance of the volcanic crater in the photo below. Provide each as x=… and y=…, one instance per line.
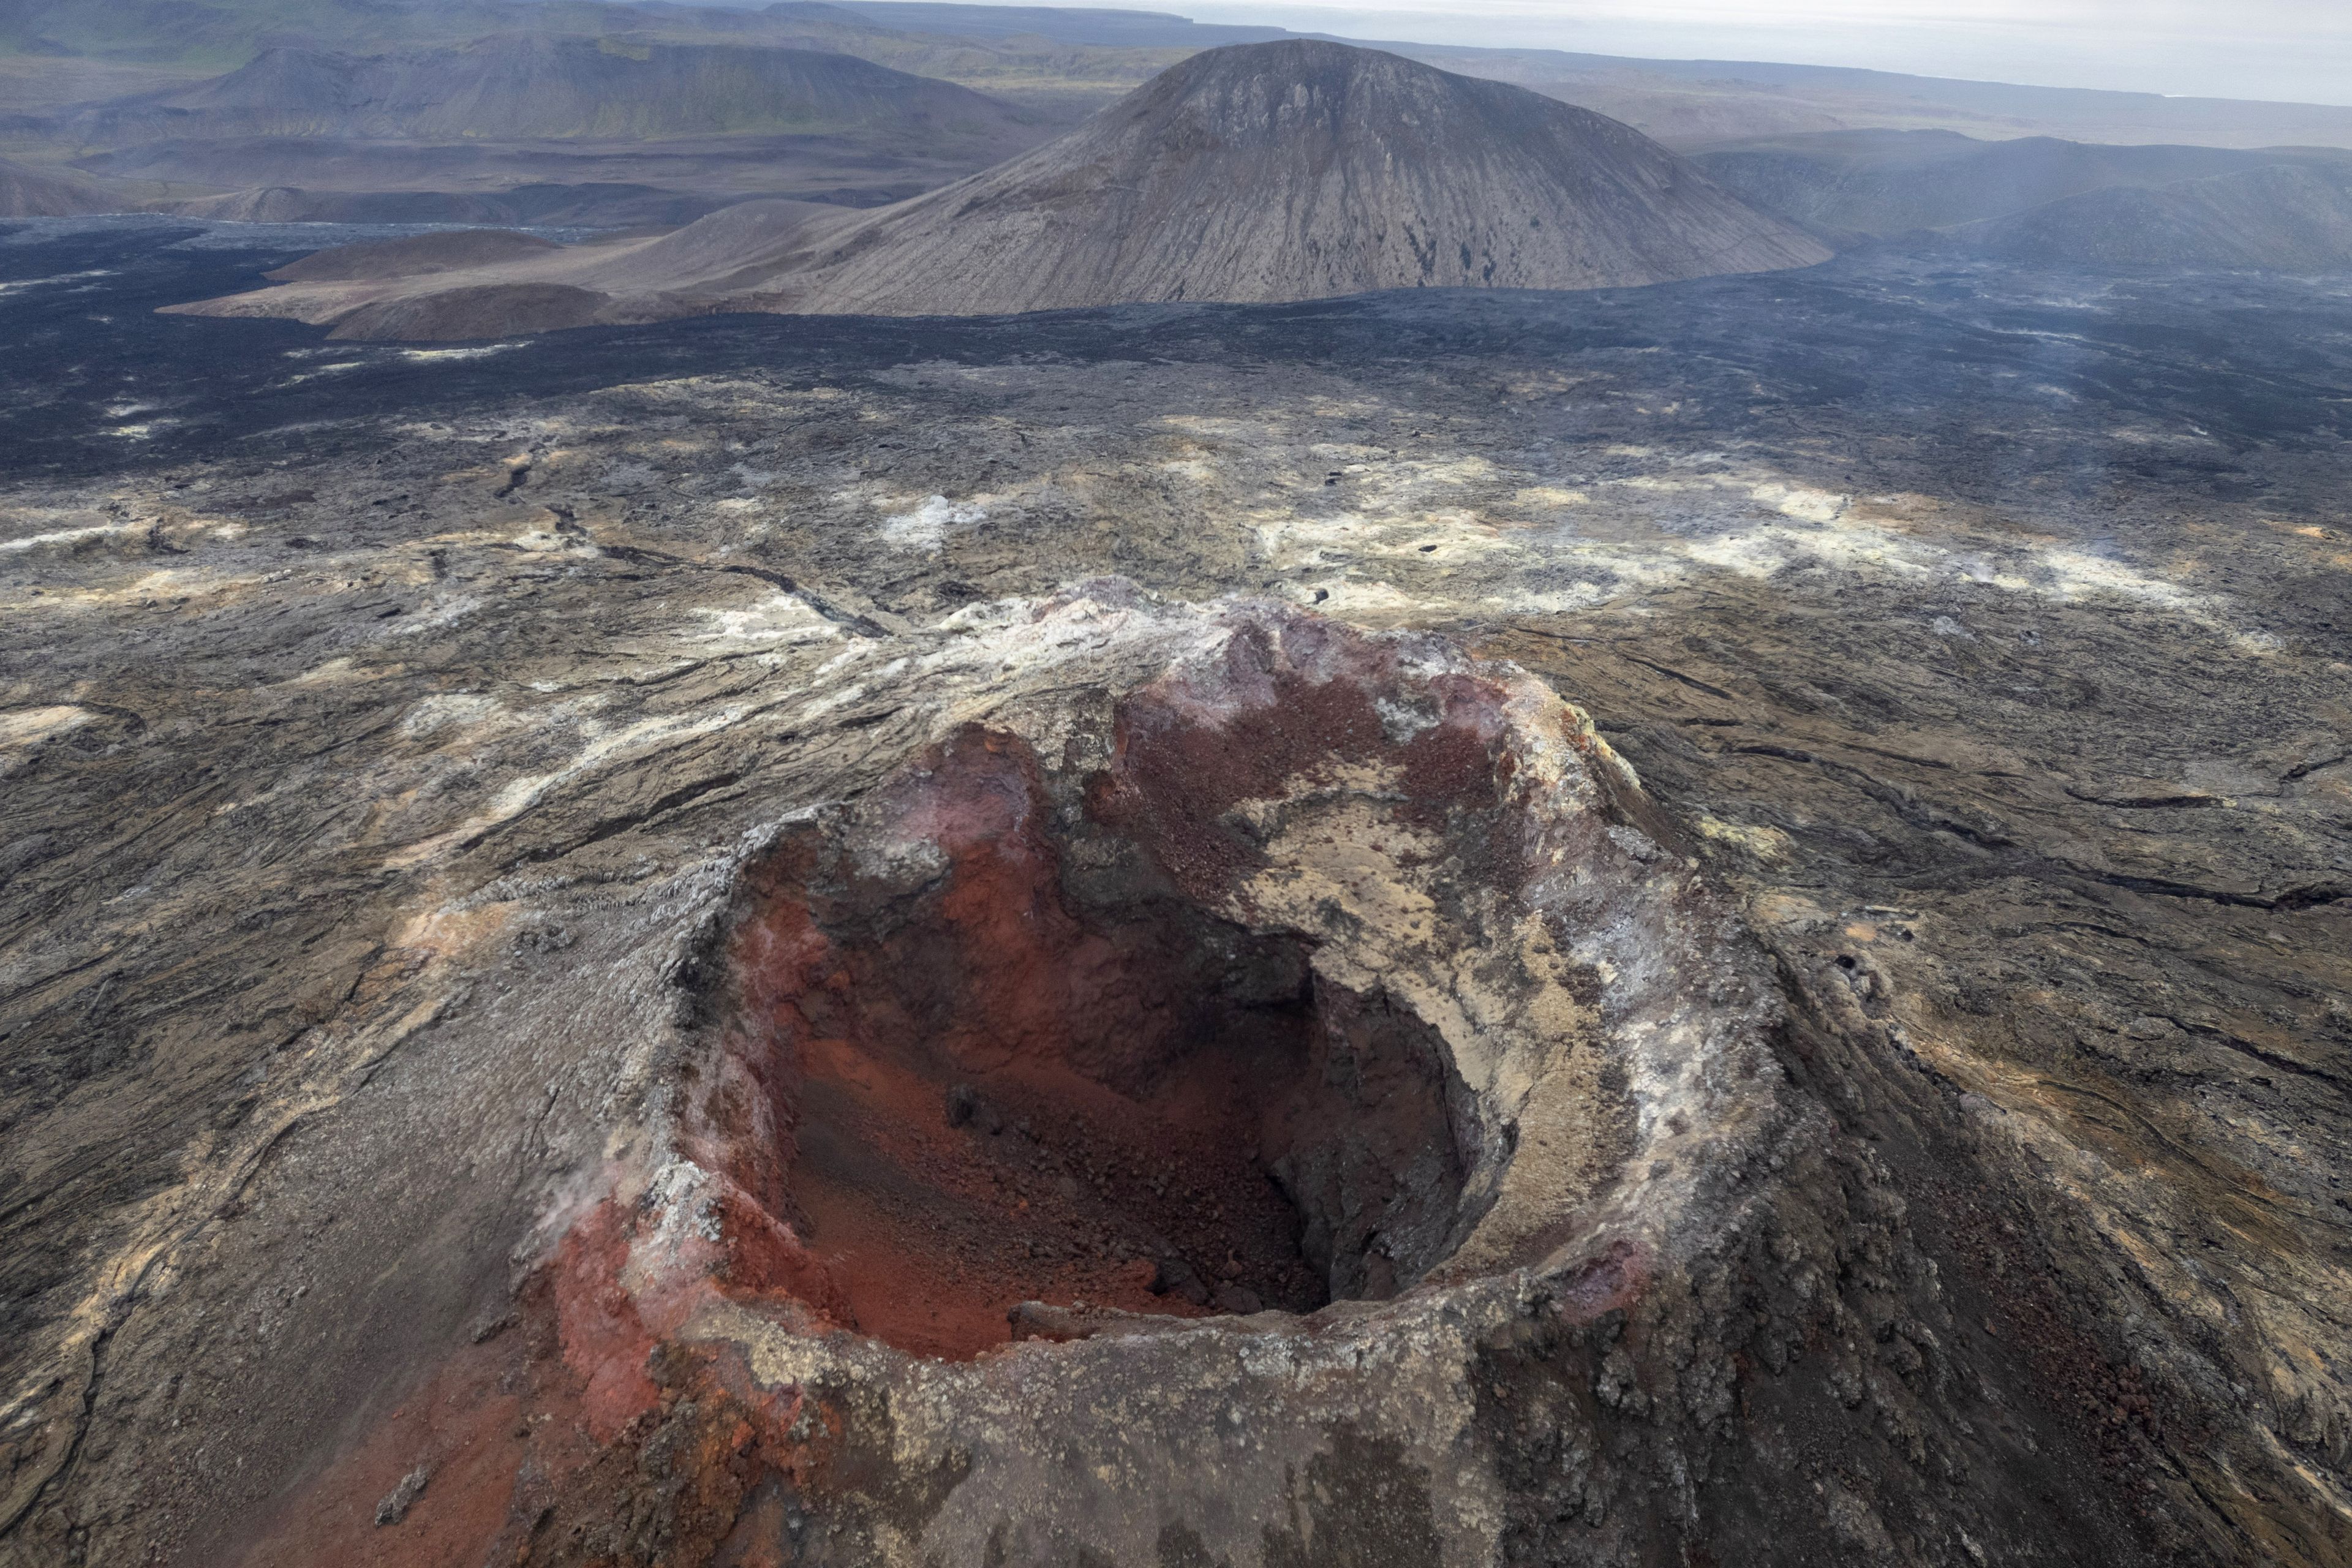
x=1240, y=993
x=1042, y=1073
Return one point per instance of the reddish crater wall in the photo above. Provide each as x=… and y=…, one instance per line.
x=976, y=1087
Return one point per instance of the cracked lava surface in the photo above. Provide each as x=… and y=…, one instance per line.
x=515, y=1051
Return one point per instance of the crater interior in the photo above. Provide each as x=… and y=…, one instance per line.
x=1044, y=1074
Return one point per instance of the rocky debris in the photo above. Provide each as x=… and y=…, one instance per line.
x=1238, y=1299
x=967, y=1109
x=402, y=1497
x=1078, y=1320
x=1173, y=1276
x=1283, y=171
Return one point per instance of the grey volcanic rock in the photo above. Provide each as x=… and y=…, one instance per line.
x=1272, y=172
x=2284, y=218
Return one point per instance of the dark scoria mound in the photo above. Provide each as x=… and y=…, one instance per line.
x=1271, y=172
x=1293, y=171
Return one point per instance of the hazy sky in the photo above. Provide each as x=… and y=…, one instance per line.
x=2292, y=50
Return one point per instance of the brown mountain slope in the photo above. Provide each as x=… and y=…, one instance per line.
x=28, y=192
x=526, y=87
x=1267, y=172
x=635, y=131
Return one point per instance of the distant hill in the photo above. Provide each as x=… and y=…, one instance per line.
x=633, y=184
x=1688, y=103
x=622, y=130
x=1065, y=23
x=1692, y=104
x=228, y=33
x=2294, y=217
x=1069, y=60
x=28, y=192
x=527, y=88
x=1299, y=170
x=1269, y=172
x=111, y=40
x=1877, y=183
